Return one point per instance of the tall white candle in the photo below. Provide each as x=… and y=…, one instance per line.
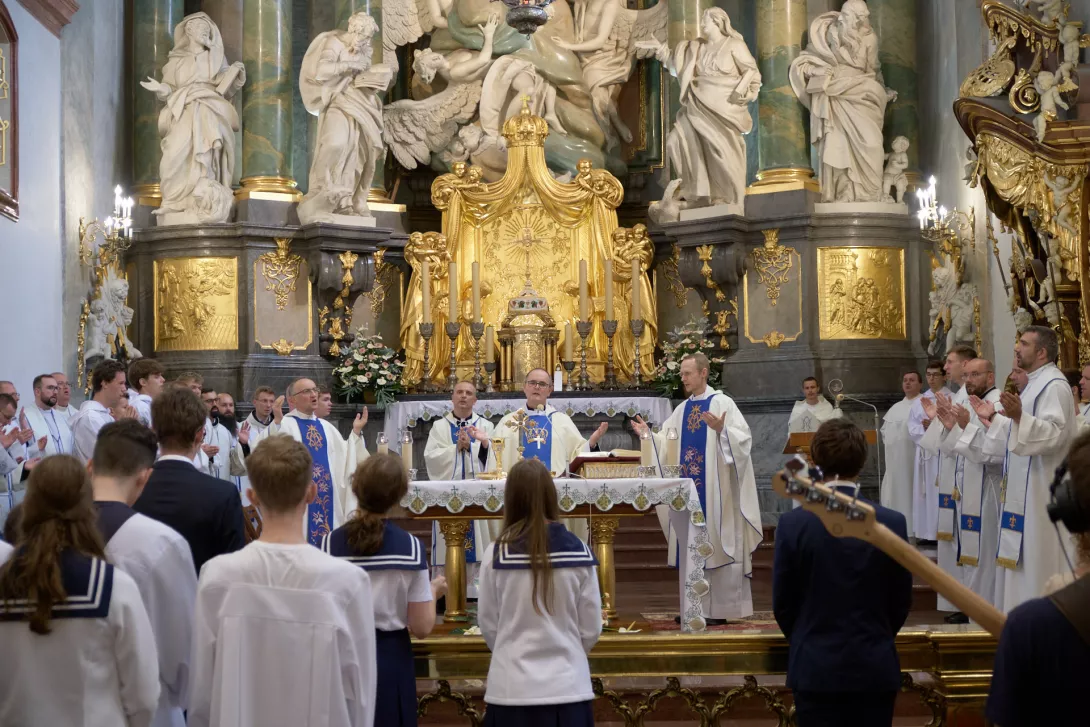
x=569, y=344
x=452, y=278
x=610, y=315
x=489, y=346
x=647, y=457
x=425, y=285
x=476, y=292
x=584, y=301
x=636, y=308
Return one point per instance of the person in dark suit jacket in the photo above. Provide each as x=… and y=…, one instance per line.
x=840, y=601
x=205, y=510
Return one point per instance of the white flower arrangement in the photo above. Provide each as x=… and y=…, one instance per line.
x=369, y=365
x=681, y=342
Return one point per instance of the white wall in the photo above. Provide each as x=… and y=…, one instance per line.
x=31, y=249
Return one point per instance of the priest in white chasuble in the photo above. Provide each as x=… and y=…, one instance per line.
x=459, y=448
x=808, y=414
x=558, y=442
x=1033, y=432
x=900, y=460
x=715, y=446
x=335, y=459
x=45, y=420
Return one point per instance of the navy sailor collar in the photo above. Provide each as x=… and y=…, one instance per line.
x=399, y=551
x=88, y=582
x=565, y=551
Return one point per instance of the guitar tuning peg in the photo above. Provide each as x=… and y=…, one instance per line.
x=816, y=474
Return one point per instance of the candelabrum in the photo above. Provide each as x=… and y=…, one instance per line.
x=476, y=329
x=583, y=328
x=637, y=332
x=427, y=330
x=569, y=366
x=610, y=329
x=490, y=370
x=452, y=334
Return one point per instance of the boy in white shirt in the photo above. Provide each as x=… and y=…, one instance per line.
x=322, y=641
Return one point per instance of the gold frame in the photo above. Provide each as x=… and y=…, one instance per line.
x=278, y=345
x=779, y=337
x=820, y=253
x=157, y=265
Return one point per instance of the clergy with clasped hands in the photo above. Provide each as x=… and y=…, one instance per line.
x=458, y=449
x=713, y=431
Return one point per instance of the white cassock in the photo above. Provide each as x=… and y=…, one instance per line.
x=445, y=461
x=897, y=482
x=925, y=475
x=12, y=485
x=220, y=465
x=979, y=492
x=950, y=472
x=97, y=666
x=1030, y=550
x=67, y=412
x=141, y=403
x=563, y=444
x=311, y=664
x=729, y=498
x=808, y=417
x=159, y=560
x=343, y=456
x=92, y=416
x=237, y=460
x=53, y=427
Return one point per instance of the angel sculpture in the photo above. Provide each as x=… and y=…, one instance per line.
x=1062, y=187
x=414, y=130
x=1073, y=42
x=951, y=308
x=1049, y=92
x=406, y=21
x=1051, y=10
x=606, y=38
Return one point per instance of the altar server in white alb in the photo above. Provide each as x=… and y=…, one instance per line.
x=283, y=633
x=1033, y=433
x=335, y=459
x=84, y=656
x=809, y=413
x=900, y=460
x=396, y=563
x=250, y=433
x=981, y=483
x=218, y=441
x=925, y=475
x=715, y=451
x=540, y=610
x=108, y=385
x=154, y=555
x=43, y=418
x=459, y=448
x=145, y=376
x=950, y=469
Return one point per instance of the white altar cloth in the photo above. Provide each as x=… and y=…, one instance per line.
x=679, y=495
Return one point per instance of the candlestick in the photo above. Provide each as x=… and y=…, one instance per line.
x=425, y=285
x=452, y=333
x=569, y=366
x=646, y=451
x=489, y=346
x=584, y=301
x=476, y=272
x=569, y=342
x=671, y=468
x=383, y=444
x=610, y=328
x=407, y=448
x=636, y=307
x=427, y=330
x=452, y=304
x=490, y=368
x=609, y=290
x=584, y=328
x=476, y=329
x=637, y=331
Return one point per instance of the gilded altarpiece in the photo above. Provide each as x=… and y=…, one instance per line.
x=196, y=304
x=772, y=290
x=861, y=293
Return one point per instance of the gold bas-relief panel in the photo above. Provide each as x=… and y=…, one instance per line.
x=861, y=292
x=196, y=304
x=283, y=306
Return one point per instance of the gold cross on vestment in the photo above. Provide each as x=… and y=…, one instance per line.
x=969, y=523
x=1013, y=522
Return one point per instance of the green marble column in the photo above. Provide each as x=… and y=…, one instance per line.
x=895, y=23
x=783, y=131
x=343, y=10
x=266, y=98
x=153, y=24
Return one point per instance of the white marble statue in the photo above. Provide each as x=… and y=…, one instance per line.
x=719, y=79
x=1049, y=92
x=893, y=176
x=197, y=125
x=839, y=79
x=95, y=342
x=1072, y=42
x=109, y=319
x=414, y=130
x=1062, y=187
x=341, y=87
x=953, y=305
x=405, y=21
x=606, y=38
x=1051, y=10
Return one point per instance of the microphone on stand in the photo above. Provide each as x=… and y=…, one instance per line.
x=836, y=388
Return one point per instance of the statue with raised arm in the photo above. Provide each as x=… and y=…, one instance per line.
x=839, y=79
x=341, y=87
x=719, y=79
x=197, y=125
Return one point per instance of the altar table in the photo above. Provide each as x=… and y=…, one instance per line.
x=456, y=503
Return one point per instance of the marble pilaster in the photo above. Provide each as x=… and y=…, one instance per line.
x=153, y=24
x=895, y=23
x=783, y=133
x=684, y=24
x=228, y=16
x=266, y=99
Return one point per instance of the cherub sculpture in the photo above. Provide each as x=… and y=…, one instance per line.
x=1051, y=10
x=894, y=174
x=1045, y=83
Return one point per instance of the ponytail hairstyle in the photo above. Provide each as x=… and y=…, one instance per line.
x=58, y=515
x=529, y=505
x=378, y=484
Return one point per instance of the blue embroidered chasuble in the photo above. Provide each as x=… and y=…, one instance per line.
x=319, y=512
x=463, y=466
x=694, y=442
x=541, y=451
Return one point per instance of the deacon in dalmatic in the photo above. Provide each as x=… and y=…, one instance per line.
x=335, y=459
x=897, y=486
x=950, y=467
x=1033, y=434
x=558, y=440
x=458, y=449
x=808, y=414
x=45, y=420
x=712, y=430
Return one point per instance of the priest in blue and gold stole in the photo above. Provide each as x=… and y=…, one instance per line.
x=334, y=458
x=715, y=453
x=556, y=440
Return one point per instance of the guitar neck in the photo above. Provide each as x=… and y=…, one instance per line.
x=969, y=603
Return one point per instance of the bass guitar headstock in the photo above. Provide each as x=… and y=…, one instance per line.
x=843, y=515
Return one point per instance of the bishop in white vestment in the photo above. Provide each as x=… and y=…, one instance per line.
x=715, y=446
x=897, y=482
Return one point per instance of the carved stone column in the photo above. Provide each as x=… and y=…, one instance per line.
x=153, y=24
